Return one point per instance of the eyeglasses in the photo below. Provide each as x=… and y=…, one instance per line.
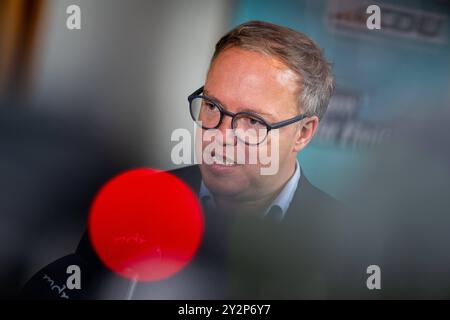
x=248, y=127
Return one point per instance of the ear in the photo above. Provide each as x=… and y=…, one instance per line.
x=305, y=133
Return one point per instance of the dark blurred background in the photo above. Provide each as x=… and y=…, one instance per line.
x=79, y=106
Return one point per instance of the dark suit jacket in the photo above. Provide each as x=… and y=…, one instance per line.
x=319, y=250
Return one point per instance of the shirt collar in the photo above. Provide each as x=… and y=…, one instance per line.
x=205, y=195
x=282, y=201
x=284, y=198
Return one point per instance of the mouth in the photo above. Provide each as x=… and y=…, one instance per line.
x=222, y=162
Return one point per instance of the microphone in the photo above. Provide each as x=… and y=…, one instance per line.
x=143, y=226
x=52, y=281
x=74, y=278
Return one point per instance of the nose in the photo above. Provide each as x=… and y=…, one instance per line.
x=226, y=136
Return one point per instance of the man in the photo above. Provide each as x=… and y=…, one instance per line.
x=267, y=235
x=276, y=74
x=272, y=77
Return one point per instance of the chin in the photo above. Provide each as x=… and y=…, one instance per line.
x=225, y=182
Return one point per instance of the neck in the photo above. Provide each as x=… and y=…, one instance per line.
x=230, y=204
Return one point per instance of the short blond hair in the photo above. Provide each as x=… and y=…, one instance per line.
x=297, y=51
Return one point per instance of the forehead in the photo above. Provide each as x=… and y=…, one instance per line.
x=244, y=79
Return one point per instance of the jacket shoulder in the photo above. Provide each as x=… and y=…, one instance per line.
x=307, y=193
x=320, y=196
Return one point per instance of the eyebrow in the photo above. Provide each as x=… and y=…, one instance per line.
x=205, y=92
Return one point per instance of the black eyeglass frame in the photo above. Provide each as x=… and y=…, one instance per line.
x=234, y=116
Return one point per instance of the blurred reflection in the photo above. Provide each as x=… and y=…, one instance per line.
x=77, y=107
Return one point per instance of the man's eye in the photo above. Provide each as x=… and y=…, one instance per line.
x=210, y=107
x=253, y=122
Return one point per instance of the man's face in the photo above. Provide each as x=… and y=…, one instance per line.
x=244, y=80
